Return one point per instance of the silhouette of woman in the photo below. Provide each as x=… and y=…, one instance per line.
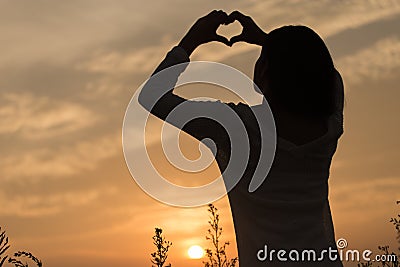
x=290, y=210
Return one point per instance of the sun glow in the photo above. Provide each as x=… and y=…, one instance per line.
x=195, y=252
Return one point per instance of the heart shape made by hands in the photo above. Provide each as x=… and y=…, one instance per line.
x=229, y=30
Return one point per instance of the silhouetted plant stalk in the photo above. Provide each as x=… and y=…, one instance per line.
x=217, y=255
x=25, y=254
x=15, y=260
x=385, y=249
x=4, y=246
x=160, y=255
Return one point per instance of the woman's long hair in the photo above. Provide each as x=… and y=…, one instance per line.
x=299, y=71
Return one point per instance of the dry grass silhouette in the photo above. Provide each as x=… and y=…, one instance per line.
x=385, y=249
x=4, y=246
x=18, y=257
x=216, y=256
x=162, y=245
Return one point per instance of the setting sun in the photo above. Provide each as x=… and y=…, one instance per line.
x=195, y=252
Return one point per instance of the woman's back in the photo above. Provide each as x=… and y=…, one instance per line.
x=297, y=128
x=290, y=210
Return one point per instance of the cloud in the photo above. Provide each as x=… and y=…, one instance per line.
x=328, y=17
x=35, y=118
x=71, y=27
x=55, y=162
x=43, y=205
x=379, y=61
x=351, y=195
x=140, y=60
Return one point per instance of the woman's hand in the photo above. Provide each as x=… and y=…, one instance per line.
x=204, y=31
x=251, y=33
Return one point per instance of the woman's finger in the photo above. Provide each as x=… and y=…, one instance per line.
x=237, y=38
x=220, y=16
x=236, y=15
x=222, y=39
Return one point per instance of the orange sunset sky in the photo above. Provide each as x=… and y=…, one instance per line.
x=68, y=71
